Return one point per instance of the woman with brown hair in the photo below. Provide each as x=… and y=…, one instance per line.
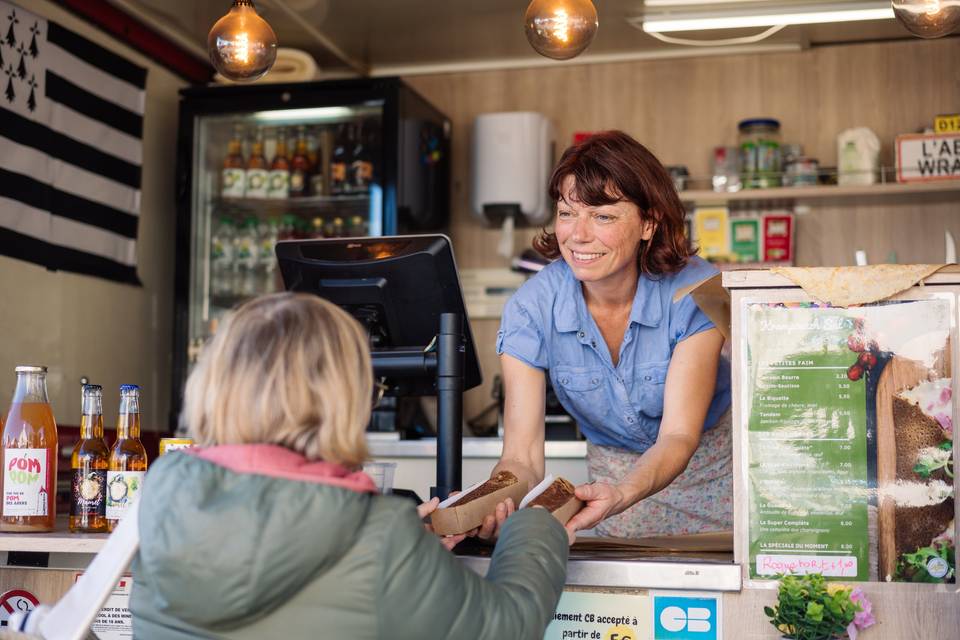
x=640, y=373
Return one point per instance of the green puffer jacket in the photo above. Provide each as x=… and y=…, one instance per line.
x=254, y=550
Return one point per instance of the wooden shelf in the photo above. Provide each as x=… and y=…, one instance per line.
x=826, y=193
x=59, y=541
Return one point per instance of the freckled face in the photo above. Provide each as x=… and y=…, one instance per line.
x=599, y=243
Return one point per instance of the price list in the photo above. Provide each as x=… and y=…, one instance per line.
x=807, y=444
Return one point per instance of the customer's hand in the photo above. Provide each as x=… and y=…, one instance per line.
x=602, y=500
x=490, y=528
x=425, y=509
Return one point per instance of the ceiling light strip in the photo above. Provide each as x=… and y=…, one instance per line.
x=665, y=25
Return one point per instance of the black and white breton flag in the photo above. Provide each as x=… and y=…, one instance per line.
x=71, y=126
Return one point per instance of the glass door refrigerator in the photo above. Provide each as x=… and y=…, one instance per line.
x=262, y=163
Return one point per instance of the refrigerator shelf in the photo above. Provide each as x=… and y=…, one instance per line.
x=312, y=205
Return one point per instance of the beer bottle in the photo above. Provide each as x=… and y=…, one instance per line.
x=29, y=478
x=128, y=458
x=232, y=175
x=256, y=174
x=313, y=150
x=300, y=168
x=361, y=167
x=89, y=463
x=338, y=163
x=279, y=184
x=321, y=146
x=358, y=227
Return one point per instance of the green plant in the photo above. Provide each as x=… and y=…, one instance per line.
x=913, y=567
x=810, y=608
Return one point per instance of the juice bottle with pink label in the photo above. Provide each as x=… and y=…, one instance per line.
x=28, y=483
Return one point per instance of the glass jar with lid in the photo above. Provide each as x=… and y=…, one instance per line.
x=759, y=153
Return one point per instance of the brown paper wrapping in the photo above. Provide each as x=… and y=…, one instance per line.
x=461, y=518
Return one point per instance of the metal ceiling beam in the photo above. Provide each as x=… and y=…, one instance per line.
x=360, y=67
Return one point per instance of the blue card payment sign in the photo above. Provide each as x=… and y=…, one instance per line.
x=685, y=618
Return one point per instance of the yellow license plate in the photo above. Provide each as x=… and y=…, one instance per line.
x=947, y=124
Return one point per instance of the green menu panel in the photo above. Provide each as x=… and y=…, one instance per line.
x=848, y=451
x=807, y=445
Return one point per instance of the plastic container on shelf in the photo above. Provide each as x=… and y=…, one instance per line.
x=726, y=169
x=801, y=172
x=759, y=153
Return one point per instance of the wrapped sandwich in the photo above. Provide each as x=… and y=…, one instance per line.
x=466, y=511
x=556, y=495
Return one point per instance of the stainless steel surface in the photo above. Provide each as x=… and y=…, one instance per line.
x=472, y=448
x=647, y=574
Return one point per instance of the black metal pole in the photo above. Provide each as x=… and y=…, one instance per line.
x=450, y=366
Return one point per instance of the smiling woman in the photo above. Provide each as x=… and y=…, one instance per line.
x=640, y=373
x=612, y=169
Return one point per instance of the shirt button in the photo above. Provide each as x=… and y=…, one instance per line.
x=580, y=334
x=593, y=343
x=629, y=419
x=564, y=380
x=595, y=381
x=647, y=378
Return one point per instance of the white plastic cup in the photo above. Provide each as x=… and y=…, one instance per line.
x=382, y=474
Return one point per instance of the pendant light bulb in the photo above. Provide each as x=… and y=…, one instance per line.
x=560, y=29
x=928, y=18
x=241, y=44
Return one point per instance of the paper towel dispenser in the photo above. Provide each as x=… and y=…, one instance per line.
x=512, y=157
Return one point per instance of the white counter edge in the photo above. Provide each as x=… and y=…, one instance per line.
x=641, y=574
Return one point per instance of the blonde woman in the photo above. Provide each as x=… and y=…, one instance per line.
x=268, y=530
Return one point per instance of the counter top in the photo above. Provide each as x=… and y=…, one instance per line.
x=381, y=447
x=58, y=541
x=654, y=573
x=650, y=573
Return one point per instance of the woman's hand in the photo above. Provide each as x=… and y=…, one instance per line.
x=490, y=528
x=425, y=509
x=602, y=500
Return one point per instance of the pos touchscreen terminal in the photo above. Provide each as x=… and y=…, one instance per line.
x=405, y=291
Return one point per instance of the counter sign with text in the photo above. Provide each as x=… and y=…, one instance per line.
x=601, y=616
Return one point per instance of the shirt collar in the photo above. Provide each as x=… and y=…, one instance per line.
x=570, y=304
x=647, y=306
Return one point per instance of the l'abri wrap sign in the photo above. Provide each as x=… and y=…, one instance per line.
x=928, y=157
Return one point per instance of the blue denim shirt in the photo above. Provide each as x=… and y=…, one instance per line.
x=546, y=325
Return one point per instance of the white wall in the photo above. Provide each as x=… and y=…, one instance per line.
x=83, y=326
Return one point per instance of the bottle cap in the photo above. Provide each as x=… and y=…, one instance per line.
x=26, y=368
x=92, y=388
x=129, y=388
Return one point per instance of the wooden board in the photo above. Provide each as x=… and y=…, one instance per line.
x=898, y=375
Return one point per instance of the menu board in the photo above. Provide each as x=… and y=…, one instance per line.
x=849, y=439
